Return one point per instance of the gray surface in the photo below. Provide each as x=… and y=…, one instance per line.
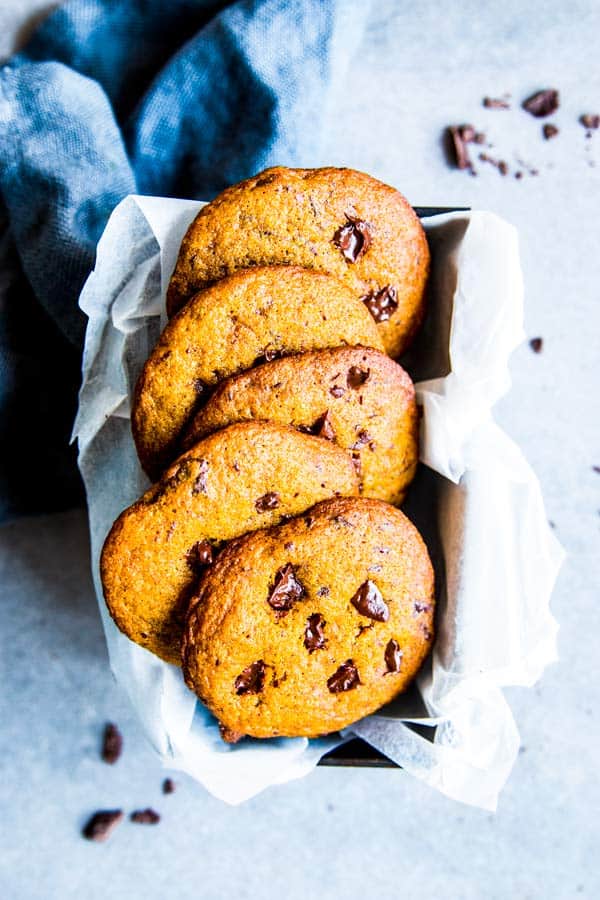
x=362, y=833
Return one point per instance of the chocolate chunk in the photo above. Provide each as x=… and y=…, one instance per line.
x=229, y=735
x=200, y=555
x=369, y=602
x=356, y=377
x=337, y=391
x=346, y=678
x=252, y=679
x=543, y=103
x=420, y=607
x=168, y=786
x=145, y=816
x=353, y=238
x=200, y=481
x=393, y=656
x=381, y=304
x=536, y=344
x=323, y=427
x=549, y=131
x=314, y=639
x=495, y=103
x=286, y=589
x=460, y=136
x=112, y=744
x=591, y=121
x=270, y=500
x=102, y=824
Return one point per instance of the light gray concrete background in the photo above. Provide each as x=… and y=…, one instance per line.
x=341, y=833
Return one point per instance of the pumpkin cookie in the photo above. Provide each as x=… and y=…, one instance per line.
x=251, y=316
x=245, y=477
x=304, y=628
x=357, y=397
x=333, y=220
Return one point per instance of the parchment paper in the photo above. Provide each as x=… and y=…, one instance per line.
x=482, y=514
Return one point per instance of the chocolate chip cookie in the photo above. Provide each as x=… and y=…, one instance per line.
x=253, y=315
x=333, y=220
x=248, y=476
x=357, y=397
x=304, y=628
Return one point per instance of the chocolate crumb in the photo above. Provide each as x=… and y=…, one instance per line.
x=102, y=824
x=393, y=656
x=518, y=175
x=252, y=679
x=345, y=678
x=536, y=344
x=353, y=238
x=168, y=786
x=268, y=501
x=337, y=391
x=495, y=103
x=314, y=639
x=323, y=591
x=381, y=304
x=543, y=103
x=145, y=816
x=500, y=164
x=286, y=590
x=596, y=469
x=420, y=607
x=112, y=744
x=591, y=121
x=323, y=427
x=369, y=602
x=200, y=555
x=356, y=377
x=549, y=130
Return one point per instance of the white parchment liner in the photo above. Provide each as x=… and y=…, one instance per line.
x=482, y=514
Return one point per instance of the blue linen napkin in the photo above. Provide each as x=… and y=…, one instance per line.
x=112, y=97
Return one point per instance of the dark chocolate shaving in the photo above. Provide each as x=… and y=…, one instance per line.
x=369, y=601
x=102, y=824
x=591, y=121
x=286, y=590
x=381, y=304
x=393, y=656
x=536, y=344
x=500, y=164
x=549, y=130
x=495, y=103
x=112, y=744
x=345, y=678
x=168, y=786
x=252, y=679
x=460, y=136
x=543, y=103
x=268, y=501
x=353, y=238
x=314, y=639
x=145, y=816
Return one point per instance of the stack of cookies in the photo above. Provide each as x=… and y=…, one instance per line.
x=269, y=557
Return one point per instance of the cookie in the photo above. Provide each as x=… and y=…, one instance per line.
x=357, y=397
x=333, y=220
x=302, y=629
x=253, y=315
x=245, y=477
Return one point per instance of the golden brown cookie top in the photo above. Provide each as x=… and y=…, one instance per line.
x=304, y=628
x=355, y=396
x=252, y=315
x=333, y=220
x=245, y=477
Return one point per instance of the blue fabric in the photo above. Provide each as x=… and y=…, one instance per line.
x=109, y=98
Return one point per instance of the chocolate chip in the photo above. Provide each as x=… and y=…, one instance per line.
x=229, y=735
x=112, y=744
x=381, y=304
x=168, y=786
x=543, y=103
x=270, y=500
x=356, y=377
x=393, y=656
x=323, y=427
x=591, y=121
x=549, y=131
x=102, y=824
x=286, y=589
x=536, y=344
x=353, y=238
x=199, y=556
x=314, y=639
x=200, y=481
x=145, y=816
x=420, y=607
x=362, y=439
x=345, y=678
x=495, y=103
x=369, y=602
x=337, y=391
x=252, y=679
